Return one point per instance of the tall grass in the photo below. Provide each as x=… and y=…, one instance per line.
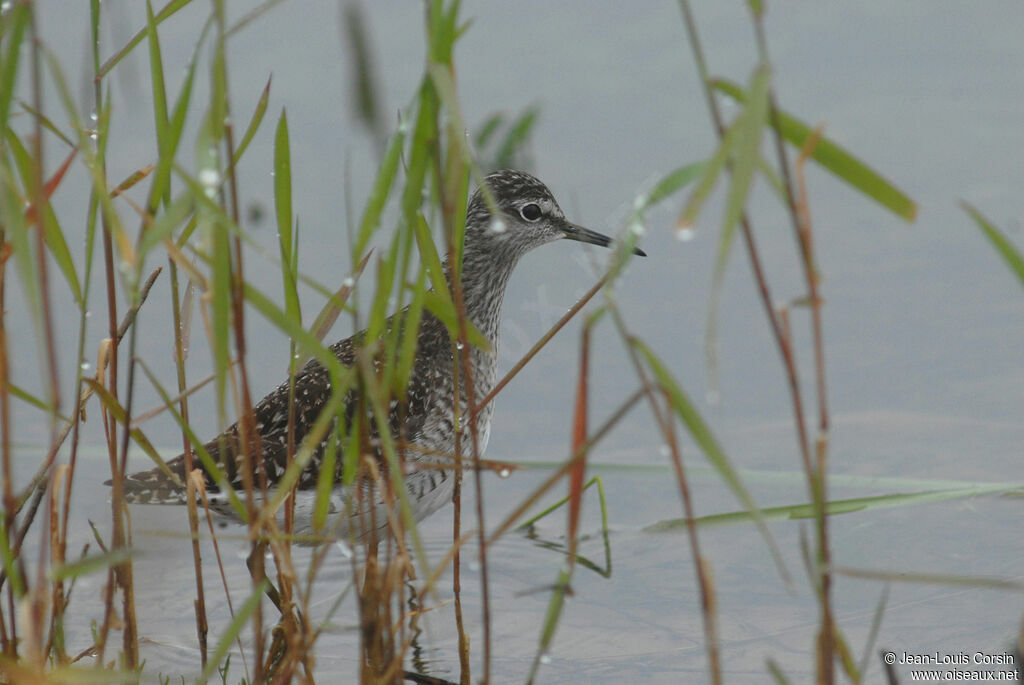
x=189, y=229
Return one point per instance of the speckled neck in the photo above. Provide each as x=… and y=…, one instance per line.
x=485, y=275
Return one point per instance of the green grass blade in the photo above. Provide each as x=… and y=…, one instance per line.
x=234, y=628
x=168, y=9
x=669, y=185
x=747, y=154
x=178, y=212
x=410, y=325
x=973, y=582
x=47, y=123
x=156, y=68
x=834, y=158
x=117, y=411
x=709, y=445
x=125, y=247
x=15, y=24
x=841, y=506
x=217, y=235
x=308, y=343
x=52, y=234
x=325, y=481
x=750, y=126
x=551, y=618
x=709, y=177
x=54, y=237
x=432, y=261
x=517, y=136
x=90, y=564
x=487, y=129
x=31, y=399
x=283, y=207
x=999, y=241
x=776, y=672
x=379, y=194
x=210, y=465
x=17, y=234
x=254, y=122
x=168, y=150
x=8, y=557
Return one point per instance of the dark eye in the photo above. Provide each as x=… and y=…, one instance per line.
x=530, y=212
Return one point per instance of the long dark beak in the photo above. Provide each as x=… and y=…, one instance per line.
x=585, y=235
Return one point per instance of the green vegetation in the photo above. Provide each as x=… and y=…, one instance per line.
x=188, y=232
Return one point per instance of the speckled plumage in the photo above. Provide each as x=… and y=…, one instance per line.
x=530, y=217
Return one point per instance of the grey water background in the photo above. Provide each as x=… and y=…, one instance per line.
x=923, y=323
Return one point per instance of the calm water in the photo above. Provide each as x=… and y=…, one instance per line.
x=923, y=323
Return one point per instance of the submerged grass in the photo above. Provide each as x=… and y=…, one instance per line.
x=191, y=219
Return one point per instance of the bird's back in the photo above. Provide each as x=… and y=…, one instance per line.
x=422, y=426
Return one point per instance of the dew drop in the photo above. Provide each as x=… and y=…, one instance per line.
x=504, y=473
x=498, y=226
x=209, y=178
x=348, y=282
x=459, y=345
x=86, y=366
x=545, y=659
x=685, y=234
x=640, y=202
x=637, y=228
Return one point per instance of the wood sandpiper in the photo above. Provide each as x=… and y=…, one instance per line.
x=424, y=427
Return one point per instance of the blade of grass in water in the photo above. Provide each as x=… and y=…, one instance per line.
x=89, y=564
x=156, y=70
x=834, y=158
x=16, y=21
x=283, y=207
x=748, y=143
x=999, y=241
x=234, y=628
x=842, y=506
x=167, y=10
x=702, y=434
x=382, y=185
x=254, y=122
x=518, y=133
x=211, y=467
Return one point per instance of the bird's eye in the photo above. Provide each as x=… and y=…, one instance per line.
x=530, y=212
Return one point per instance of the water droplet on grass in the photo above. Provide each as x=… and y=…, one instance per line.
x=685, y=234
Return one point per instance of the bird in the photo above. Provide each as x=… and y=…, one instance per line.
x=528, y=216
